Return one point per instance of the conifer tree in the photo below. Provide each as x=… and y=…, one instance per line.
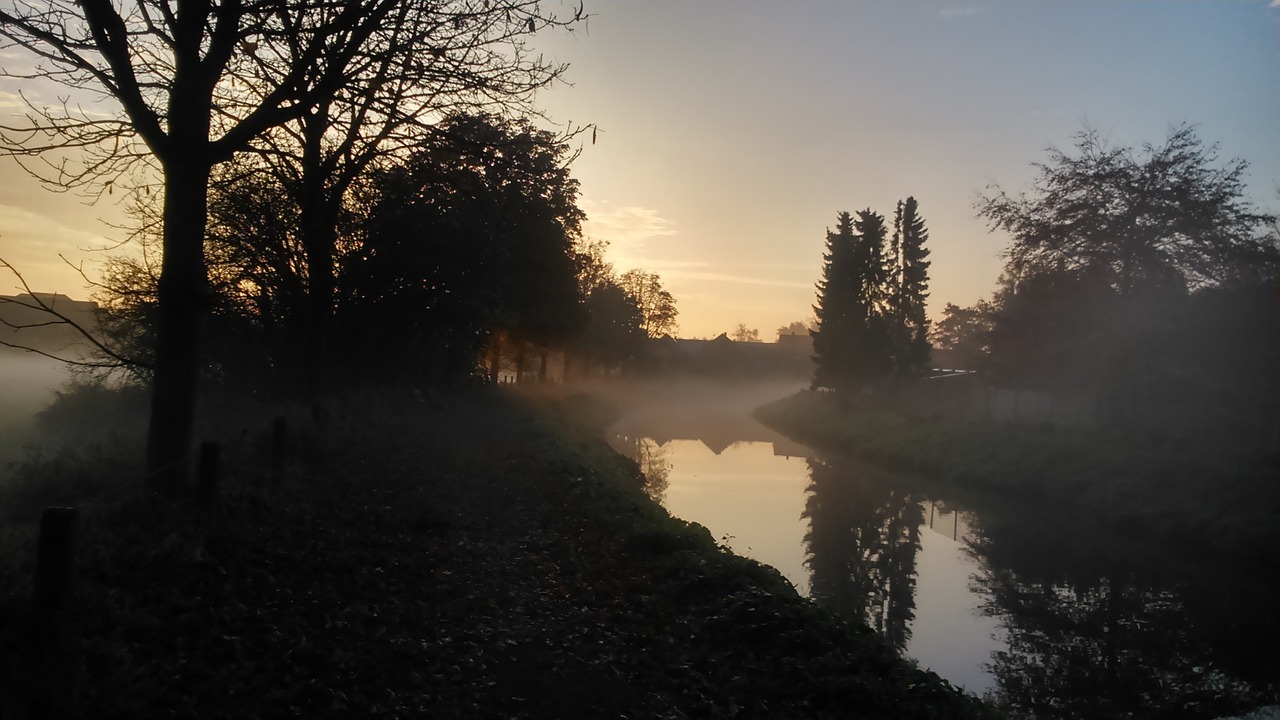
x=835, y=310
x=913, y=288
x=852, y=341
x=872, y=329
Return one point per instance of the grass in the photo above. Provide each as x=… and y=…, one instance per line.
x=1196, y=498
x=476, y=555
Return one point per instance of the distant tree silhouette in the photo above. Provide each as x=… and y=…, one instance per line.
x=837, y=308
x=1111, y=253
x=614, y=334
x=742, y=333
x=657, y=306
x=911, y=276
x=796, y=327
x=966, y=331
x=1166, y=215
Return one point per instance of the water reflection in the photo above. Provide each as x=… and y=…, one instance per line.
x=1099, y=629
x=652, y=459
x=1035, y=608
x=861, y=546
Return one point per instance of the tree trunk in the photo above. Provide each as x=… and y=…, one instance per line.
x=495, y=358
x=318, y=218
x=183, y=301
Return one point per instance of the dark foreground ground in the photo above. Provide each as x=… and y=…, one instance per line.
x=445, y=559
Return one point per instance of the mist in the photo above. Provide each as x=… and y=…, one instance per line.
x=28, y=384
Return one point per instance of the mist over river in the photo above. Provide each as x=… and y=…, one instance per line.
x=1027, y=605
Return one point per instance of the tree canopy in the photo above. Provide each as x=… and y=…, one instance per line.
x=190, y=84
x=870, y=315
x=1123, y=266
x=1152, y=216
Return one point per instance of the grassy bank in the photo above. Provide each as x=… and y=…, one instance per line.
x=1193, y=497
x=463, y=556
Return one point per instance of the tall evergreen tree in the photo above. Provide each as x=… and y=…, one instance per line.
x=835, y=308
x=852, y=339
x=913, y=287
x=872, y=331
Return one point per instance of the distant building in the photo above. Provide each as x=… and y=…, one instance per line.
x=722, y=357
x=24, y=324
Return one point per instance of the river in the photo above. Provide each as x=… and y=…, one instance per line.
x=1030, y=607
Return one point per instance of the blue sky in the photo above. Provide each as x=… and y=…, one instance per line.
x=732, y=131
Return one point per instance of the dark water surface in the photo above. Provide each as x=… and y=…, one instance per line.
x=1029, y=606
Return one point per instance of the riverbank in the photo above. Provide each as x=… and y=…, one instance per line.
x=1223, y=506
x=449, y=556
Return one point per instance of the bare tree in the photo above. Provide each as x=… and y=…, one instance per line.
x=475, y=62
x=192, y=82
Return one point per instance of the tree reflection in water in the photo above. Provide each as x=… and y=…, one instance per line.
x=861, y=548
x=652, y=460
x=1097, y=631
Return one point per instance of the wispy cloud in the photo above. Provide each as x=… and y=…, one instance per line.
x=32, y=243
x=627, y=229
x=705, y=276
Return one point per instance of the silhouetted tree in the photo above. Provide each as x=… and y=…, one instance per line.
x=474, y=237
x=1108, y=256
x=1168, y=215
x=657, y=306
x=836, y=309
x=614, y=334
x=966, y=331
x=912, y=288
x=195, y=83
x=797, y=327
x=742, y=333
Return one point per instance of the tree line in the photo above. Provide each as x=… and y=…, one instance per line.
x=325, y=192
x=871, y=325
x=1142, y=276
x=464, y=251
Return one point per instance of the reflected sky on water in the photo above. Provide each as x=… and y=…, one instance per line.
x=754, y=500
x=1030, y=606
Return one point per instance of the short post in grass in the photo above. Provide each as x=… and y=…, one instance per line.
x=279, y=429
x=55, y=560
x=207, y=474
x=51, y=685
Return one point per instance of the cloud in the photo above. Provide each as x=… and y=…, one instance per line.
x=32, y=243
x=627, y=229
x=703, y=276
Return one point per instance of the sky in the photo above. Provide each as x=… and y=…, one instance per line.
x=731, y=132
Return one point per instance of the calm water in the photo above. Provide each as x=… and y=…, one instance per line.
x=1026, y=605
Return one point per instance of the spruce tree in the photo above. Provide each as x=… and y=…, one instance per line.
x=871, y=335
x=835, y=310
x=914, y=288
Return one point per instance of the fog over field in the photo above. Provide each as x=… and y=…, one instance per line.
x=27, y=385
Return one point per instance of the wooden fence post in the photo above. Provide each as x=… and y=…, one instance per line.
x=49, y=693
x=278, y=431
x=207, y=474
x=55, y=559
